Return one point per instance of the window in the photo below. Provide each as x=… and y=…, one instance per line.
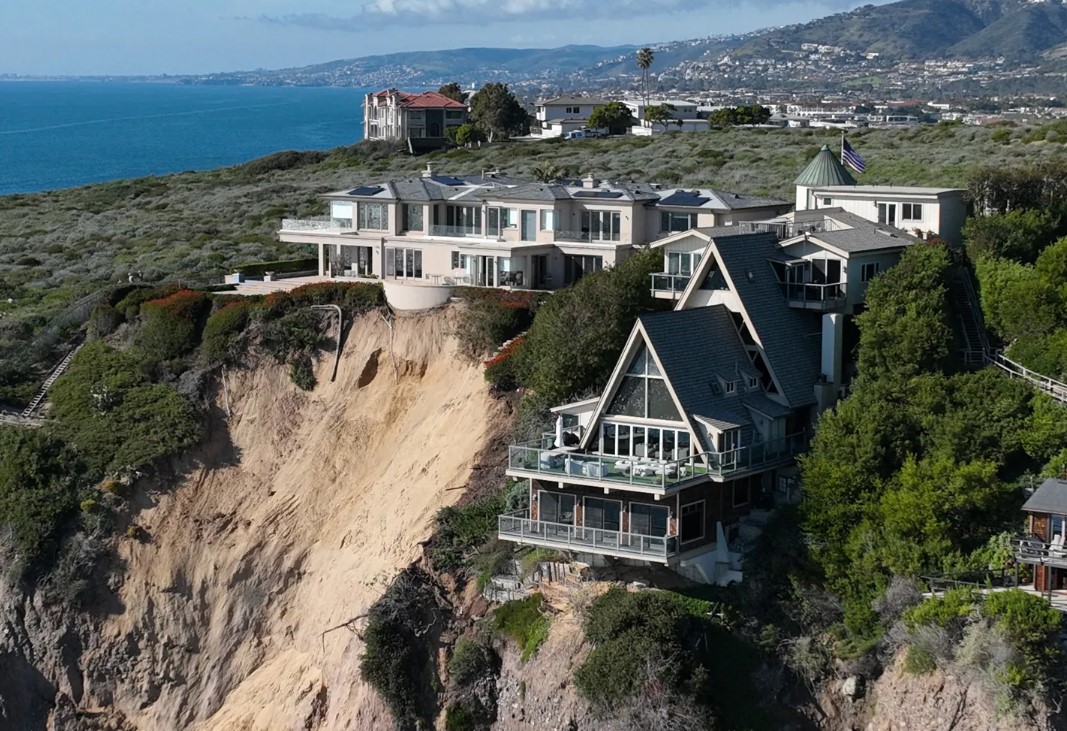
x=412, y=217
x=692, y=522
x=753, y=382
x=467, y=218
x=601, y=225
x=456, y=260
x=682, y=262
x=373, y=216
x=572, y=110
x=729, y=387
x=453, y=114
x=1056, y=526
x=729, y=441
x=648, y=520
x=602, y=514
x=911, y=212
x=887, y=213
x=625, y=440
x=493, y=218
x=403, y=263
x=742, y=492
x=553, y=508
x=869, y=271
x=827, y=201
x=643, y=392
x=576, y=266
x=549, y=221
x=671, y=222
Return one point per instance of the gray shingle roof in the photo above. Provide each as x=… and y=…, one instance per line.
x=693, y=345
x=790, y=337
x=1051, y=497
x=858, y=240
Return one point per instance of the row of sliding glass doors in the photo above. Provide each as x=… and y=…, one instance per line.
x=602, y=514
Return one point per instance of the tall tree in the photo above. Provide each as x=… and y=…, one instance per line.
x=660, y=114
x=645, y=57
x=453, y=91
x=613, y=116
x=496, y=111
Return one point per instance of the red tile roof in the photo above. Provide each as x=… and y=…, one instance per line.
x=430, y=99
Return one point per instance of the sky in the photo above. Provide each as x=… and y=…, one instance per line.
x=131, y=37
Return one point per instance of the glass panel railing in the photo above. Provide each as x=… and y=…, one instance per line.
x=521, y=528
x=664, y=282
x=755, y=456
x=316, y=224
x=456, y=231
x=816, y=294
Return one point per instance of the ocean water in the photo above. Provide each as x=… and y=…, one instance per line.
x=66, y=133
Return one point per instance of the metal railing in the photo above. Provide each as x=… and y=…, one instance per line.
x=1034, y=550
x=586, y=236
x=457, y=231
x=664, y=282
x=1052, y=387
x=542, y=458
x=520, y=528
x=316, y=224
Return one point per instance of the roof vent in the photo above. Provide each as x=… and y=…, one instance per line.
x=428, y=172
x=751, y=277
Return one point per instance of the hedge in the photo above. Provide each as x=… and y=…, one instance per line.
x=285, y=266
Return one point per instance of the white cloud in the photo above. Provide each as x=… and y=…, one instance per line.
x=378, y=13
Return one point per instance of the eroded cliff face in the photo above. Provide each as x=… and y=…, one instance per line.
x=304, y=508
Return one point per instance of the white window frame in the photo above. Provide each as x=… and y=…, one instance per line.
x=729, y=387
x=908, y=212
x=888, y=207
x=703, y=522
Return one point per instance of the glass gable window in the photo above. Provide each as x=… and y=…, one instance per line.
x=373, y=216
x=643, y=392
x=681, y=262
x=412, y=217
x=672, y=222
x=648, y=520
x=626, y=440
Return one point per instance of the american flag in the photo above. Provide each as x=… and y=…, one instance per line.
x=851, y=158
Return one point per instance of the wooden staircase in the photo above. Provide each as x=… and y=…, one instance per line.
x=975, y=346
x=35, y=404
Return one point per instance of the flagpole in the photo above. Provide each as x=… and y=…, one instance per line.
x=842, y=146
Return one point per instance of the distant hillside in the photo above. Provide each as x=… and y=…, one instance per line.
x=1020, y=31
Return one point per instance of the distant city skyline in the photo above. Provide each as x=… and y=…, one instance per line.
x=132, y=37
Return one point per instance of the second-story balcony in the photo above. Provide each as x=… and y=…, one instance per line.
x=818, y=297
x=317, y=224
x=1034, y=550
x=520, y=528
x=460, y=232
x=587, y=237
x=669, y=286
x=540, y=459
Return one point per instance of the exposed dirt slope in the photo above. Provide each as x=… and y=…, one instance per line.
x=328, y=496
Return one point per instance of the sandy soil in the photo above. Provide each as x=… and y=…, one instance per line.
x=325, y=498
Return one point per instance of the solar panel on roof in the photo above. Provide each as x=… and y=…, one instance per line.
x=367, y=190
x=685, y=198
x=597, y=194
x=447, y=180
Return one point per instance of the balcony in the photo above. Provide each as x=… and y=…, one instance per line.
x=818, y=297
x=519, y=528
x=586, y=237
x=540, y=460
x=460, y=232
x=316, y=224
x=669, y=286
x=1034, y=550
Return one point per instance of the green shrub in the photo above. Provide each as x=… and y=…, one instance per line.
x=353, y=298
x=40, y=482
x=460, y=529
x=504, y=370
x=28, y=261
x=472, y=660
x=104, y=320
x=130, y=304
x=223, y=328
x=523, y=621
x=172, y=324
x=919, y=661
x=487, y=322
x=399, y=653
x=302, y=373
x=945, y=611
x=285, y=266
x=468, y=714
x=118, y=422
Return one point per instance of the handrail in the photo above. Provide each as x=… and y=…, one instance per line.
x=666, y=282
x=1052, y=387
x=316, y=224
x=520, y=527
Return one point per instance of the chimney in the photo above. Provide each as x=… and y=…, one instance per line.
x=589, y=181
x=428, y=172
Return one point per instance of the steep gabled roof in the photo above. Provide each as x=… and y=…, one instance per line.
x=692, y=346
x=789, y=337
x=1051, y=498
x=824, y=170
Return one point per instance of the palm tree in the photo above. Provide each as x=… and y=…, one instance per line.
x=549, y=172
x=645, y=57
